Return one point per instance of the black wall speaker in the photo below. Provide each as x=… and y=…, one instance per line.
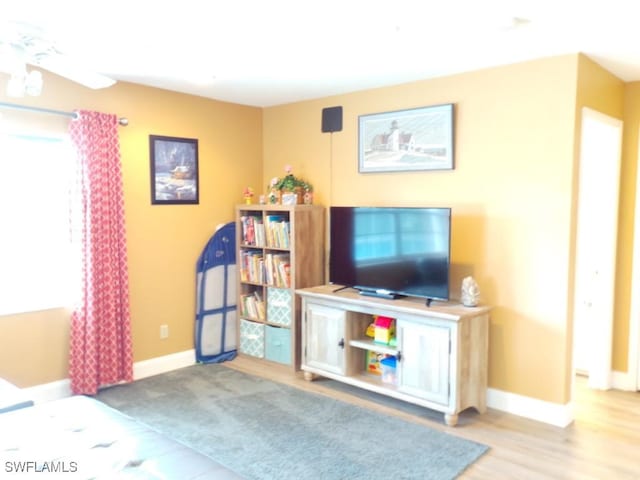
x=332, y=119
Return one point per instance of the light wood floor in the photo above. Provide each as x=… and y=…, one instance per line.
x=603, y=443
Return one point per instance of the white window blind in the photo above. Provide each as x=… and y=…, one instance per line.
x=37, y=267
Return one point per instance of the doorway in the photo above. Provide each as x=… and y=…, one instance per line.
x=596, y=241
x=634, y=314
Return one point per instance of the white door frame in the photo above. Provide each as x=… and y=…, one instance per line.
x=633, y=359
x=597, y=274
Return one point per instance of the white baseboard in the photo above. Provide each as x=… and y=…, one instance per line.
x=623, y=381
x=166, y=363
x=547, y=412
x=47, y=392
x=534, y=409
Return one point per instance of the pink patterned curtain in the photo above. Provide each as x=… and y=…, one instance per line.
x=100, y=350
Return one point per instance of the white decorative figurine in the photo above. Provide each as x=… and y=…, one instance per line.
x=470, y=292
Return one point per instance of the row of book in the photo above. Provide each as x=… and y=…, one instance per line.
x=271, y=268
x=278, y=269
x=272, y=232
x=277, y=231
x=251, y=266
x=252, y=230
x=252, y=306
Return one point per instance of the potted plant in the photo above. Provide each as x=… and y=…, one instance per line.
x=290, y=184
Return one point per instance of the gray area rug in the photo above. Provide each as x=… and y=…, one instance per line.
x=266, y=430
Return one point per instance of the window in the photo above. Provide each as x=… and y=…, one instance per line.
x=36, y=262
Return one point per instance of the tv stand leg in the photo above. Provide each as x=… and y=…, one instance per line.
x=309, y=377
x=451, y=419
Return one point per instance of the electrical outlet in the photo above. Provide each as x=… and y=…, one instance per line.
x=164, y=331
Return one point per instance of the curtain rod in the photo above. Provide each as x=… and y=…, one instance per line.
x=122, y=121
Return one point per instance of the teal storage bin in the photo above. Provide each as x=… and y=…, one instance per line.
x=278, y=344
x=252, y=338
x=279, y=304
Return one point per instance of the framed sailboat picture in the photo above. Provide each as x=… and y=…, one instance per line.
x=174, y=170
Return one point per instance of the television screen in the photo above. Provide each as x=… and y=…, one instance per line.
x=391, y=251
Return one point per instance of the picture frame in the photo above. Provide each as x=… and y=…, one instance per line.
x=407, y=140
x=174, y=170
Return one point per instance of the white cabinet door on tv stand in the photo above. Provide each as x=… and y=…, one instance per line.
x=441, y=349
x=323, y=334
x=423, y=363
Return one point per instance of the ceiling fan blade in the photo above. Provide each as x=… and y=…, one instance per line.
x=61, y=65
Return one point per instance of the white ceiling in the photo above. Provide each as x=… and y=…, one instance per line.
x=271, y=52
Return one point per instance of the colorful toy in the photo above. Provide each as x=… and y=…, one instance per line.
x=371, y=330
x=385, y=329
x=388, y=365
x=373, y=360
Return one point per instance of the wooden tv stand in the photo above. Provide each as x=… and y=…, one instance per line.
x=441, y=350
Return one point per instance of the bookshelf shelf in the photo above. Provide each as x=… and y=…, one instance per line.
x=280, y=248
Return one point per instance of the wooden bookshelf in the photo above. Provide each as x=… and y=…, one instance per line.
x=280, y=248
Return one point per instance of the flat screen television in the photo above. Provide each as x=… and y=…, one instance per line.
x=391, y=252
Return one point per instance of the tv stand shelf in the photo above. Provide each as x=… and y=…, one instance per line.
x=441, y=349
x=367, y=344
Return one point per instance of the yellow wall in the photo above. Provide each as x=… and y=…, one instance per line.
x=164, y=241
x=625, y=232
x=34, y=347
x=511, y=194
